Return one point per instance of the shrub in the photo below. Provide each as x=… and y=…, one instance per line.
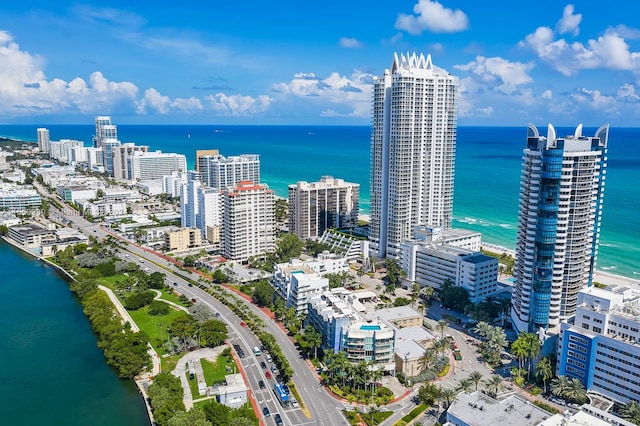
x=547, y=407
x=157, y=308
x=139, y=300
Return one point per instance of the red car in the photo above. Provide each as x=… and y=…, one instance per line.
x=194, y=300
x=243, y=324
x=268, y=374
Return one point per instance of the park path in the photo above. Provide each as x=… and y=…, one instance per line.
x=175, y=305
x=181, y=371
x=156, y=368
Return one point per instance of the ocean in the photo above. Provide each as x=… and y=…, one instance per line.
x=487, y=174
x=52, y=370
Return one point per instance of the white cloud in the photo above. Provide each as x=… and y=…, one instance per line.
x=609, y=51
x=347, y=95
x=238, y=105
x=434, y=17
x=436, y=48
x=569, y=23
x=350, y=42
x=497, y=73
x=547, y=94
x=155, y=103
x=627, y=32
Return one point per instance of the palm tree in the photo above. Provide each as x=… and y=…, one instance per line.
x=441, y=327
x=428, y=360
x=544, y=371
x=559, y=386
x=448, y=396
x=576, y=391
x=427, y=293
x=631, y=412
x=493, y=385
x=533, y=350
x=483, y=329
x=464, y=385
x=476, y=378
x=441, y=345
x=519, y=350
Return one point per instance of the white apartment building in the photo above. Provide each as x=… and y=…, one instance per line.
x=600, y=345
x=189, y=200
x=172, y=184
x=104, y=208
x=248, y=222
x=16, y=199
x=350, y=245
x=94, y=159
x=296, y=283
x=63, y=149
x=218, y=171
x=43, y=139
x=413, y=144
x=74, y=193
x=561, y=194
x=462, y=238
x=155, y=165
x=209, y=214
x=433, y=264
x=333, y=315
x=121, y=164
x=317, y=206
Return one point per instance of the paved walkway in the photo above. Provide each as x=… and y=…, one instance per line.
x=156, y=368
x=181, y=370
x=175, y=305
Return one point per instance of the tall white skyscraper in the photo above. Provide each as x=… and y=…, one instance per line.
x=106, y=137
x=413, y=145
x=43, y=139
x=561, y=192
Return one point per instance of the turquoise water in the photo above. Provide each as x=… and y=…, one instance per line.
x=52, y=371
x=487, y=170
x=369, y=327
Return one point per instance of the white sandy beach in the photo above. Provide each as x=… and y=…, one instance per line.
x=598, y=276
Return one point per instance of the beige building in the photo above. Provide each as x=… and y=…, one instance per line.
x=204, y=153
x=317, y=206
x=248, y=223
x=183, y=239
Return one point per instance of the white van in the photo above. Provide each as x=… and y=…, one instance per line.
x=268, y=357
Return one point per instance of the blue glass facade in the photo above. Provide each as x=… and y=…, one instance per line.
x=575, y=360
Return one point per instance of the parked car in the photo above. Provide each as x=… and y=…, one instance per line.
x=266, y=412
x=190, y=285
x=263, y=365
x=175, y=284
x=268, y=375
x=243, y=324
x=294, y=403
x=274, y=368
x=194, y=300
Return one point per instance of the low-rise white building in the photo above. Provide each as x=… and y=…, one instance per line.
x=234, y=393
x=104, y=208
x=17, y=199
x=30, y=235
x=76, y=193
x=296, y=284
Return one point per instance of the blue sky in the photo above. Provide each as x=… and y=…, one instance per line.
x=286, y=62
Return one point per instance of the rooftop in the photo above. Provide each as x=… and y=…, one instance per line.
x=479, y=409
x=397, y=314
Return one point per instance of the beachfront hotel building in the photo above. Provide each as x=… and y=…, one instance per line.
x=43, y=139
x=600, y=345
x=318, y=206
x=561, y=193
x=155, y=165
x=218, y=171
x=413, y=145
x=248, y=221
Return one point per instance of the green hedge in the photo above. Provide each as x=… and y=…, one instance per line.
x=412, y=415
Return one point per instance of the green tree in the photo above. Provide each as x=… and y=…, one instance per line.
x=493, y=385
x=441, y=327
x=158, y=308
x=428, y=360
x=401, y=301
x=576, y=391
x=217, y=414
x=476, y=378
x=560, y=386
x=213, y=333
x=289, y=247
x=165, y=394
x=464, y=385
x=631, y=412
x=544, y=371
x=394, y=273
x=194, y=417
x=448, y=396
x=281, y=210
x=156, y=280
x=183, y=327
x=263, y=293
x=428, y=393
x=454, y=297
x=128, y=352
x=189, y=261
x=219, y=276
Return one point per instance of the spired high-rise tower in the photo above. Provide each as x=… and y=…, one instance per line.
x=561, y=192
x=413, y=145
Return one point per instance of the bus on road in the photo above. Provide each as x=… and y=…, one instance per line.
x=282, y=393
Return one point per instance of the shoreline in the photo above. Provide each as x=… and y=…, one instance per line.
x=599, y=275
x=138, y=383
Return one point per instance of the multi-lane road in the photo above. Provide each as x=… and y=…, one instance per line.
x=323, y=409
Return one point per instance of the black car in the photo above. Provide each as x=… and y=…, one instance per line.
x=190, y=285
x=266, y=412
x=278, y=419
x=175, y=284
x=261, y=384
x=263, y=365
x=241, y=353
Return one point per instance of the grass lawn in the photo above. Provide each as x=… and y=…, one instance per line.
x=193, y=385
x=171, y=297
x=378, y=417
x=110, y=281
x=155, y=326
x=169, y=363
x=214, y=372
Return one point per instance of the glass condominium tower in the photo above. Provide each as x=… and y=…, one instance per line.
x=413, y=145
x=561, y=193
